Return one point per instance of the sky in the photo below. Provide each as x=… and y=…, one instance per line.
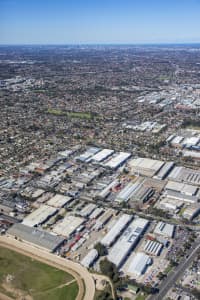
x=99, y=21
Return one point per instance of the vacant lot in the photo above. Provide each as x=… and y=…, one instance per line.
x=24, y=278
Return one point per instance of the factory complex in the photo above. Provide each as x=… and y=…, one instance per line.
x=98, y=196
x=127, y=241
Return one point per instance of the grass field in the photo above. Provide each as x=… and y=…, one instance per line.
x=23, y=276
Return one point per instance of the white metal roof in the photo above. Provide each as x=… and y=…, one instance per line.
x=127, y=241
x=146, y=165
x=164, y=229
x=88, y=209
x=183, y=188
x=88, y=260
x=177, y=140
x=59, y=201
x=103, y=154
x=39, y=215
x=117, y=160
x=139, y=263
x=126, y=193
x=153, y=248
x=68, y=225
x=191, y=141
x=115, y=231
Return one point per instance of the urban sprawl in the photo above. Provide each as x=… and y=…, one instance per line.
x=100, y=162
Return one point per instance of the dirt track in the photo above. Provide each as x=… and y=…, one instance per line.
x=82, y=276
x=4, y=297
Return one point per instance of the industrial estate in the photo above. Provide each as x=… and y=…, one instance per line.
x=100, y=177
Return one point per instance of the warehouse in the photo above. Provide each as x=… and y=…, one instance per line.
x=87, y=210
x=116, y=230
x=59, y=201
x=68, y=225
x=179, y=196
x=104, y=219
x=171, y=205
x=183, y=188
x=65, y=153
x=127, y=241
x=31, y=192
x=107, y=190
x=96, y=213
x=142, y=194
x=176, y=142
x=191, y=211
x=90, y=258
x=139, y=264
x=164, y=171
x=127, y=192
x=186, y=175
x=102, y=155
x=170, y=138
x=164, y=229
x=190, y=141
x=117, y=160
x=40, y=215
x=145, y=166
x=193, y=154
x=153, y=248
x=37, y=237
x=87, y=154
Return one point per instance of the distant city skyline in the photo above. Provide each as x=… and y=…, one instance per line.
x=99, y=21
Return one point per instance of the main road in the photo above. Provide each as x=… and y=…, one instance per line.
x=83, y=277
x=174, y=275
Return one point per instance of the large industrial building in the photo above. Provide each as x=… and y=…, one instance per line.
x=68, y=225
x=191, y=211
x=116, y=230
x=102, y=155
x=35, y=236
x=139, y=264
x=186, y=175
x=87, y=154
x=96, y=213
x=40, y=215
x=87, y=210
x=128, y=191
x=118, y=160
x=89, y=259
x=153, y=248
x=59, y=201
x=127, y=241
x=165, y=170
x=169, y=194
x=105, y=192
x=164, y=229
x=182, y=188
x=102, y=220
x=145, y=166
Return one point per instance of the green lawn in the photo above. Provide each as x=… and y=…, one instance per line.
x=68, y=293
x=34, y=278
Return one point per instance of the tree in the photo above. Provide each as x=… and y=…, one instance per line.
x=104, y=295
x=101, y=249
x=109, y=269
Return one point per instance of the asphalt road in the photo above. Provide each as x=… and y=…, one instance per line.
x=174, y=275
x=81, y=274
